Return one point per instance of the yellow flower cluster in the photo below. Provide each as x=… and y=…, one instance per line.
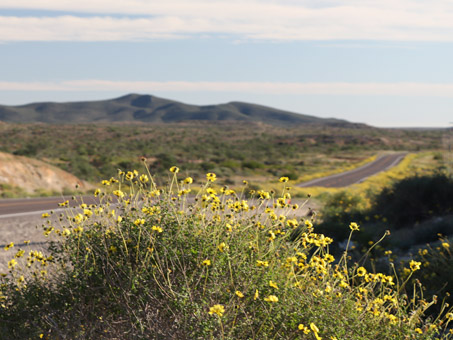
x=231, y=232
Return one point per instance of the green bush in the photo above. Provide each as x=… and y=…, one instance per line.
x=161, y=264
x=415, y=199
x=410, y=209
x=252, y=165
x=436, y=268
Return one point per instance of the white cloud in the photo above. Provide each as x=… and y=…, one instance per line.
x=403, y=20
x=271, y=88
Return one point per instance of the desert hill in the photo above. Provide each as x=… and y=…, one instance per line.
x=151, y=109
x=32, y=175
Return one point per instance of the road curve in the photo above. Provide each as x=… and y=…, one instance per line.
x=23, y=206
x=344, y=179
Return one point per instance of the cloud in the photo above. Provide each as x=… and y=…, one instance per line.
x=283, y=20
x=270, y=88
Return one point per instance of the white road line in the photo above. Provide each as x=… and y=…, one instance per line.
x=29, y=213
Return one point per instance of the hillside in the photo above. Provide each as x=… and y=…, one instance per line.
x=151, y=109
x=31, y=175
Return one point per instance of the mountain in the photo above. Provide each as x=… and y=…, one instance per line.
x=151, y=109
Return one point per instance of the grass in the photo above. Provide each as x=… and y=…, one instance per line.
x=164, y=265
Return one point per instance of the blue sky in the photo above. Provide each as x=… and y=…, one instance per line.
x=384, y=63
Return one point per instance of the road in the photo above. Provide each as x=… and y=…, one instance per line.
x=22, y=206
x=357, y=175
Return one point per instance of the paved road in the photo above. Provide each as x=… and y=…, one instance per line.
x=357, y=175
x=15, y=207
x=11, y=207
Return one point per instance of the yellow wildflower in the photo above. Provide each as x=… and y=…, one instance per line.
x=188, y=180
x=257, y=294
x=314, y=328
x=239, y=294
x=156, y=228
x=9, y=246
x=361, y=271
x=206, y=262
x=144, y=178
x=19, y=253
x=273, y=284
x=222, y=247
x=118, y=193
x=139, y=222
x=303, y=328
x=211, y=177
x=12, y=264
x=63, y=204
x=283, y=179
x=315, y=331
x=354, y=226
x=217, y=309
x=414, y=265
x=174, y=169
x=271, y=298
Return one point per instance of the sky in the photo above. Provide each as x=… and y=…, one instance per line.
x=385, y=63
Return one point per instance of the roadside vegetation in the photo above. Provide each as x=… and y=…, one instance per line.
x=234, y=151
x=167, y=262
x=416, y=210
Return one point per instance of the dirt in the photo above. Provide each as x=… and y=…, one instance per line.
x=31, y=175
x=17, y=230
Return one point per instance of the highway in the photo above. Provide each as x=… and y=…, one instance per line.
x=347, y=178
x=24, y=206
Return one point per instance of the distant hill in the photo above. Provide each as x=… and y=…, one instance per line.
x=151, y=109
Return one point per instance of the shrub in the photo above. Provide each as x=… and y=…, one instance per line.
x=435, y=273
x=415, y=199
x=339, y=209
x=410, y=208
x=160, y=264
x=252, y=164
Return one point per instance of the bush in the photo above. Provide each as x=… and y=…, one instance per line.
x=411, y=209
x=415, y=199
x=252, y=165
x=435, y=273
x=160, y=264
x=340, y=208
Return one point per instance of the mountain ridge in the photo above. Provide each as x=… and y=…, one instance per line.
x=151, y=109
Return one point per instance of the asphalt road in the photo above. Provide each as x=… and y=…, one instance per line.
x=24, y=206
x=11, y=207
x=357, y=175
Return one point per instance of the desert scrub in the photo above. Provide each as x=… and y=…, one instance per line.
x=152, y=262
